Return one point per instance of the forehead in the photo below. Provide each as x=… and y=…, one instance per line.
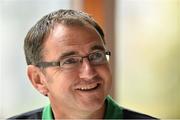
x=81, y=33
x=75, y=38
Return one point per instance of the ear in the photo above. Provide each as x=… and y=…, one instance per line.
x=37, y=79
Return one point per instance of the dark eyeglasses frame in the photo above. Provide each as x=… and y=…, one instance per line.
x=51, y=64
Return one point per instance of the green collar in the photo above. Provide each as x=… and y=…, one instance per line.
x=113, y=111
x=47, y=113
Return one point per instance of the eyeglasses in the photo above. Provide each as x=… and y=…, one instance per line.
x=70, y=62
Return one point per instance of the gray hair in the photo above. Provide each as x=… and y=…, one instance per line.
x=33, y=43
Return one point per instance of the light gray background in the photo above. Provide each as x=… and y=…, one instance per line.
x=16, y=18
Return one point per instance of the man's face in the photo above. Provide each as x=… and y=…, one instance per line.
x=84, y=87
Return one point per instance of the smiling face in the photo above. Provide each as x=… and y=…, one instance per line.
x=81, y=89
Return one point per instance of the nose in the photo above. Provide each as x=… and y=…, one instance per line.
x=87, y=71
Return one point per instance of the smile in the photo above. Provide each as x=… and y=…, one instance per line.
x=88, y=87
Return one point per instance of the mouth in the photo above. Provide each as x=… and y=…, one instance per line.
x=88, y=87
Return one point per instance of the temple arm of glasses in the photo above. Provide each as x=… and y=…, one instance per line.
x=108, y=53
x=47, y=64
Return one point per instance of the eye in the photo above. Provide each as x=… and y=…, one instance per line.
x=96, y=56
x=69, y=61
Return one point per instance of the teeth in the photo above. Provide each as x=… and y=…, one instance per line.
x=88, y=87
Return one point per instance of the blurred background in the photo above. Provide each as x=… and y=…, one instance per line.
x=144, y=36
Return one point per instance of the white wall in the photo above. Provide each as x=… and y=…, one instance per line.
x=16, y=17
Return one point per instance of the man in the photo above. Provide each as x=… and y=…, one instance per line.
x=67, y=62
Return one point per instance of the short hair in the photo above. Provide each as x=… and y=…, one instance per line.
x=33, y=43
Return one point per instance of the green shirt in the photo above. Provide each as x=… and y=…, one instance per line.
x=112, y=111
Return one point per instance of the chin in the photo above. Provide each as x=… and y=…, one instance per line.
x=91, y=106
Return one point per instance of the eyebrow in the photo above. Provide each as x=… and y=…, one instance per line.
x=65, y=54
x=98, y=47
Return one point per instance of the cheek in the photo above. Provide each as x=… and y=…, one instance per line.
x=61, y=82
x=105, y=74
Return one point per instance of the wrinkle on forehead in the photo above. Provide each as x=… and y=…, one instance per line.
x=88, y=47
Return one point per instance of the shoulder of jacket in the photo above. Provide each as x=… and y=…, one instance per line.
x=130, y=114
x=34, y=114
